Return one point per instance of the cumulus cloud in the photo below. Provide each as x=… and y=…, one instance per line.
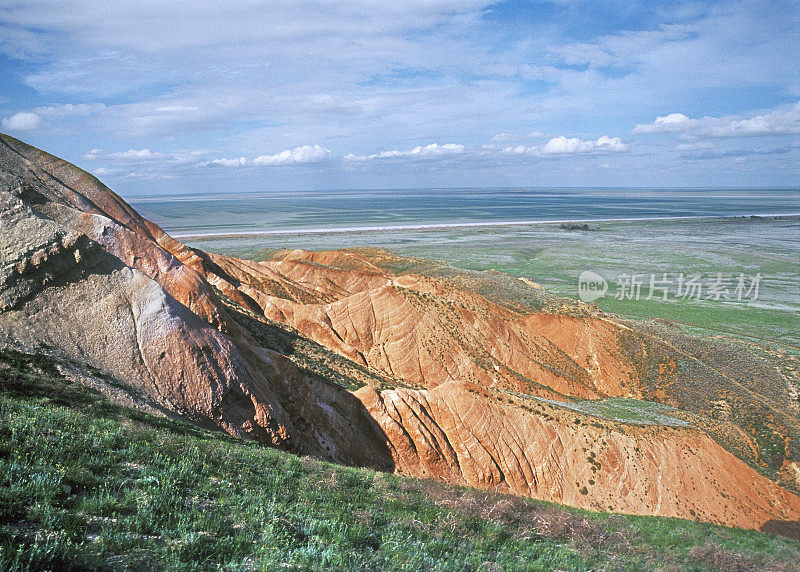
x=666, y=124
x=298, y=155
x=560, y=145
x=225, y=162
x=22, y=121
x=571, y=145
x=432, y=150
x=783, y=120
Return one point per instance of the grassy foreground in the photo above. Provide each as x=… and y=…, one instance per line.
x=87, y=484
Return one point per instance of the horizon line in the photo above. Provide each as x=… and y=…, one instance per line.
x=223, y=194
x=474, y=224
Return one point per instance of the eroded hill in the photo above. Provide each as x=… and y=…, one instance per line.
x=367, y=359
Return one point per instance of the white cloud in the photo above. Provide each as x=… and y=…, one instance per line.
x=298, y=155
x=783, y=120
x=225, y=162
x=427, y=151
x=434, y=149
x=144, y=157
x=561, y=144
x=155, y=119
x=137, y=155
x=666, y=124
x=571, y=145
x=150, y=25
x=22, y=121
x=521, y=150
x=129, y=156
x=511, y=137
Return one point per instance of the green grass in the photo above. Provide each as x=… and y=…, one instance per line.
x=624, y=409
x=85, y=483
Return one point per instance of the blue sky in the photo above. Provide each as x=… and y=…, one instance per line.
x=160, y=98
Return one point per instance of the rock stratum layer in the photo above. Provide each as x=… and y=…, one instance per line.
x=370, y=359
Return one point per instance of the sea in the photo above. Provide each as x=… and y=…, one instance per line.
x=358, y=210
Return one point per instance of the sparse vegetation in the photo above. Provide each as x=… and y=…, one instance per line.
x=85, y=483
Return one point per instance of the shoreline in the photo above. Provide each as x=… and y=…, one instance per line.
x=475, y=224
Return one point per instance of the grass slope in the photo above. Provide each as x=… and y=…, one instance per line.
x=85, y=483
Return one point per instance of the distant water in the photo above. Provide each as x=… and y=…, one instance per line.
x=193, y=215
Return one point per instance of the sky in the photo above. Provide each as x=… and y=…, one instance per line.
x=164, y=98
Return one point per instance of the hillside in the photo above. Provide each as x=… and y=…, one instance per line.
x=366, y=359
x=112, y=488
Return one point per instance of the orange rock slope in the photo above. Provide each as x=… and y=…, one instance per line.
x=335, y=354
